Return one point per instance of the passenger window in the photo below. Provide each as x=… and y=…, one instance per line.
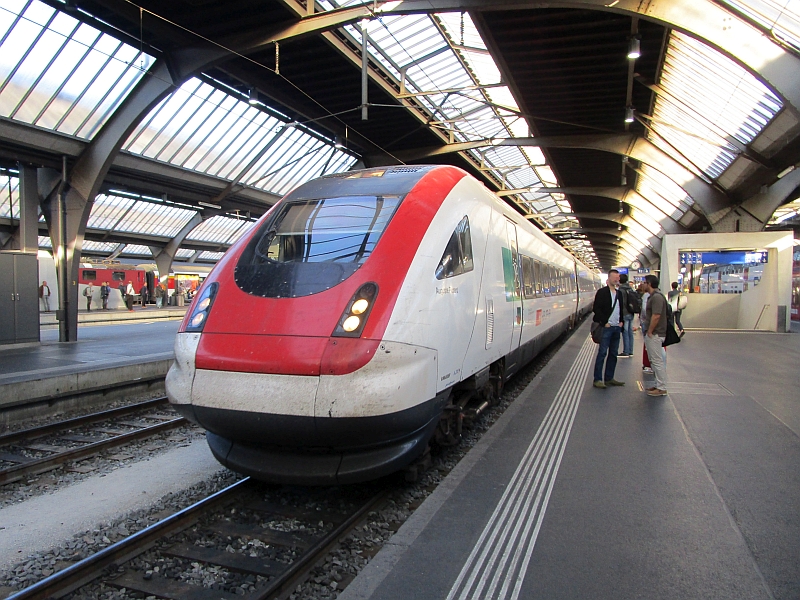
x=457, y=257
x=537, y=271
x=527, y=277
x=90, y=275
x=118, y=276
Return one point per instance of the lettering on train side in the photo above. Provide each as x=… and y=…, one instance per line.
x=445, y=377
x=447, y=290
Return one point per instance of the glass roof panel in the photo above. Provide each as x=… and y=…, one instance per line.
x=710, y=107
x=444, y=61
x=61, y=74
x=136, y=249
x=108, y=210
x=9, y=197
x=781, y=17
x=184, y=253
x=787, y=212
x=206, y=255
x=218, y=229
x=104, y=247
x=202, y=128
x=118, y=213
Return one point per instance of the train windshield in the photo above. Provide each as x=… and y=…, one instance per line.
x=309, y=246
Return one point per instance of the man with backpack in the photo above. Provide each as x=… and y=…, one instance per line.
x=631, y=305
x=657, y=321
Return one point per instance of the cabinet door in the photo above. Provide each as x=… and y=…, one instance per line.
x=7, y=300
x=26, y=305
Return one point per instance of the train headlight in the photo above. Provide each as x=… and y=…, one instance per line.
x=359, y=306
x=198, y=319
x=201, y=308
x=352, y=322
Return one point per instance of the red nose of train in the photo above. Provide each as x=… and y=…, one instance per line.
x=310, y=291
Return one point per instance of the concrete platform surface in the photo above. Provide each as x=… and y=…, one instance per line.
x=578, y=492
x=103, y=356
x=120, y=315
x=45, y=522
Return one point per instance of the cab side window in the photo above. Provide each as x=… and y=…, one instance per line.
x=457, y=257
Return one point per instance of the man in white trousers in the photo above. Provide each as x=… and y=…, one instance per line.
x=656, y=318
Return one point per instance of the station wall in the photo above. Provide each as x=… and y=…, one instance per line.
x=756, y=308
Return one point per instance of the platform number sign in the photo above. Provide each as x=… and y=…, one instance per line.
x=691, y=258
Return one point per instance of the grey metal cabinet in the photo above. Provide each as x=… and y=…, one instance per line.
x=19, y=298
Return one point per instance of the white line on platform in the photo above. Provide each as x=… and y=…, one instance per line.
x=504, y=549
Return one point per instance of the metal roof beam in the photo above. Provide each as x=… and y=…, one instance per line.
x=745, y=43
x=714, y=203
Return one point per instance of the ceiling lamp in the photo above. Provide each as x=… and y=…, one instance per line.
x=634, y=48
x=252, y=99
x=629, y=114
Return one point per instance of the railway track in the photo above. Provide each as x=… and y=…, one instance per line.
x=39, y=449
x=276, y=556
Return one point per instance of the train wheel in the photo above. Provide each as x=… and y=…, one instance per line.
x=451, y=424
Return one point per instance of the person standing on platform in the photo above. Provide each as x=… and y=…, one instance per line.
x=159, y=295
x=656, y=332
x=143, y=295
x=646, y=368
x=608, y=312
x=129, y=294
x=44, y=296
x=88, y=291
x=674, y=300
x=628, y=307
x=105, y=292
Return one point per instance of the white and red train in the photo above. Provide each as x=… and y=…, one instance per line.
x=348, y=327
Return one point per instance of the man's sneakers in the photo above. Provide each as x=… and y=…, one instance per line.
x=656, y=392
x=599, y=384
x=624, y=355
x=614, y=382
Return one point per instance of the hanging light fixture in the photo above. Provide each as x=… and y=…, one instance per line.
x=252, y=99
x=634, y=48
x=629, y=114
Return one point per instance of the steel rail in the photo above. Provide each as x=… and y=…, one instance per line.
x=41, y=431
x=309, y=558
x=89, y=568
x=46, y=463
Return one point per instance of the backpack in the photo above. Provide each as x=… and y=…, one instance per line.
x=633, y=302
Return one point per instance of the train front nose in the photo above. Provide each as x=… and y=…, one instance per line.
x=314, y=429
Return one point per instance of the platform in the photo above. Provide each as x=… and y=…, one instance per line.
x=48, y=320
x=578, y=492
x=104, y=356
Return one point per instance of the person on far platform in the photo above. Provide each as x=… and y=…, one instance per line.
x=105, y=292
x=608, y=312
x=88, y=292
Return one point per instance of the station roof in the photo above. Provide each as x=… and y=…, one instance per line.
x=604, y=152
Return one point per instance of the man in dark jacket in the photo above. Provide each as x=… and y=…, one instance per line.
x=626, y=292
x=608, y=312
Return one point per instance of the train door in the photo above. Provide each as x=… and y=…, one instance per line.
x=511, y=273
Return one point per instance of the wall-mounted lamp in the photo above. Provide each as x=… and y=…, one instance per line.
x=634, y=48
x=252, y=99
x=629, y=114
